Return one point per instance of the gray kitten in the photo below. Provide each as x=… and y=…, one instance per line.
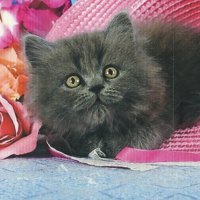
x=129, y=85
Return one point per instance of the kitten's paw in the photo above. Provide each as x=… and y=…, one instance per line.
x=97, y=154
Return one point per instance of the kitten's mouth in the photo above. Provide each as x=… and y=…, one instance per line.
x=98, y=112
x=98, y=101
x=98, y=104
x=95, y=102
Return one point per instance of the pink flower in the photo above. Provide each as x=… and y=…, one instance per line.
x=38, y=16
x=5, y=4
x=23, y=1
x=18, y=134
x=9, y=26
x=37, y=21
x=6, y=37
x=55, y=3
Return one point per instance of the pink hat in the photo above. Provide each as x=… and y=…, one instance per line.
x=95, y=14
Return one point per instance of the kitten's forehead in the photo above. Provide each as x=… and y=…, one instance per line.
x=85, y=51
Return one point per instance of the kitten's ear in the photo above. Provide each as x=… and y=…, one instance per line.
x=36, y=49
x=120, y=24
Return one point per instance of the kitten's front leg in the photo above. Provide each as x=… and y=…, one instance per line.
x=83, y=146
x=149, y=135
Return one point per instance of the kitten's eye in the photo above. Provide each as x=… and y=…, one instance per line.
x=110, y=72
x=72, y=81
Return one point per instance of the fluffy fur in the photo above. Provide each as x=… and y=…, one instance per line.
x=156, y=90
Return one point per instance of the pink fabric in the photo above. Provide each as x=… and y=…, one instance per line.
x=159, y=155
x=187, y=140
x=94, y=14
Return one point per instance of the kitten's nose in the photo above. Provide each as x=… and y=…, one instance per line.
x=96, y=88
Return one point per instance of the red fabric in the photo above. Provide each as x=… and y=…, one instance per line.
x=95, y=14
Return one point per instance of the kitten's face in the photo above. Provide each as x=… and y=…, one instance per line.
x=86, y=80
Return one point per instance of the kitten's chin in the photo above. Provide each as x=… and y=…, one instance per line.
x=99, y=113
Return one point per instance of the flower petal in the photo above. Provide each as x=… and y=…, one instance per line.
x=22, y=115
x=37, y=21
x=6, y=77
x=9, y=19
x=5, y=3
x=12, y=73
x=23, y=1
x=67, y=5
x=23, y=145
x=9, y=92
x=6, y=125
x=54, y=3
x=21, y=83
x=10, y=58
x=6, y=37
x=10, y=112
x=8, y=83
x=2, y=109
x=9, y=139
